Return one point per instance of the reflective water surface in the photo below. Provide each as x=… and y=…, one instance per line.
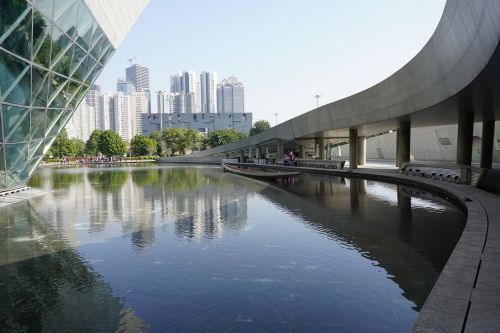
x=193, y=249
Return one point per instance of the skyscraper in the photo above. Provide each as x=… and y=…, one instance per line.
x=106, y=112
x=208, y=92
x=138, y=75
x=185, y=83
x=125, y=87
x=230, y=96
x=51, y=52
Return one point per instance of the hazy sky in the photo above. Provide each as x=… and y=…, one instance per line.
x=284, y=51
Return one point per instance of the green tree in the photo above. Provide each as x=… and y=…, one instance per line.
x=178, y=140
x=92, y=144
x=77, y=147
x=141, y=145
x=259, y=126
x=111, y=144
x=156, y=136
x=61, y=146
x=223, y=137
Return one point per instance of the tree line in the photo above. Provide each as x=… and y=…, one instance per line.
x=170, y=142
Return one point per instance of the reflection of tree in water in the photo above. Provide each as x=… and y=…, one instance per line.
x=63, y=180
x=36, y=180
x=108, y=181
x=147, y=177
x=47, y=286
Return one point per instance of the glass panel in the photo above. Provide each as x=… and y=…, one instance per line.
x=19, y=40
x=41, y=40
x=56, y=85
x=63, y=64
x=15, y=154
x=107, y=55
x=95, y=73
x=10, y=70
x=1, y=127
x=91, y=64
x=21, y=90
x=34, y=163
x=95, y=51
x=14, y=123
x=96, y=36
x=34, y=148
x=65, y=17
x=10, y=12
x=38, y=117
x=3, y=178
x=52, y=118
x=39, y=87
x=78, y=58
x=48, y=142
x=45, y=7
x=72, y=91
x=61, y=43
x=84, y=26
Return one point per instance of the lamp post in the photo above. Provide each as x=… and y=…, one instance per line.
x=317, y=100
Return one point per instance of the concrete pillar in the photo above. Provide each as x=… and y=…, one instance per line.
x=465, y=135
x=361, y=150
x=353, y=148
x=321, y=148
x=487, y=139
x=403, y=145
x=280, y=150
x=242, y=156
x=301, y=151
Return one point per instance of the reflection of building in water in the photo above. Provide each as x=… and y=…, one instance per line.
x=194, y=201
x=207, y=211
x=47, y=286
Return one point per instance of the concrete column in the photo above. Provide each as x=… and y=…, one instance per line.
x=301, y=151
x=280, y=149
x=257, y=152
x=403, y=145
x=353, y=148
x=242, y=156
x=487, y=139
x=361, y=150
x=465, y=135
x=321, y=148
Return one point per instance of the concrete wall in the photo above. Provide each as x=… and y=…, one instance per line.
x=428, y=144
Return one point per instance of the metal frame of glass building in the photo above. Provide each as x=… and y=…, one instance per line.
x=51, y=51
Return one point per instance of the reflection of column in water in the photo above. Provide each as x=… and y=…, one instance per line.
x=354, y=193
x=405, y=213
x=363, y=185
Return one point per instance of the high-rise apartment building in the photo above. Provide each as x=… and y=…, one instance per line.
x=208, y=92
x=230, y=96
x=138, y=105
x=106, y=112
x=125, y=87
x=51, y=52
x=93, y=99
x=186, y=83
x=122, y=115
x=138, y=75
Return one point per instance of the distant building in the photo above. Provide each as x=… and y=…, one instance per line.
x=125, y=87
x=138, y=105
x=185, y=83
x=138, y=75
x=230, y=96
x=208, y=92
x=106, y=112
x=82, y=123
x=202, y=122
x=122, y=117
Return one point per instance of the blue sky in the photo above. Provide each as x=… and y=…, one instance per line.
x=284, y=52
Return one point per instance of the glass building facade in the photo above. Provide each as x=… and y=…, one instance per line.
x=51, y=51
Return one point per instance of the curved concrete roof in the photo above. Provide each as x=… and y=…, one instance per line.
x=451, y=72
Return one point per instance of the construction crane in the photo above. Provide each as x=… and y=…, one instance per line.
x=132, y=60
